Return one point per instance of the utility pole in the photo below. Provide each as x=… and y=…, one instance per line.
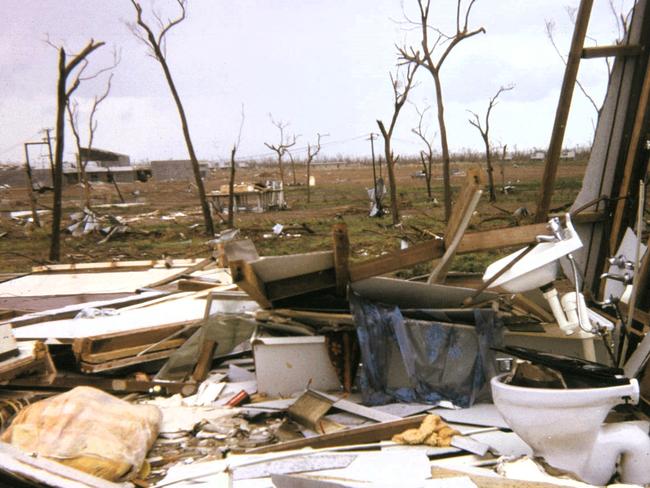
x=30, y=185
x=48, y=141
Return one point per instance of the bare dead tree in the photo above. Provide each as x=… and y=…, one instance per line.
x=283, y=146
x=233, y=166
x=550, y=28
x=312, y=152
x=426, y=155
x=293, y=167
x=156, y=42
x=400, y=96
x=72, y=107
x=434, y=51
x=484, y=129
x=75, y=68
x=620, y=19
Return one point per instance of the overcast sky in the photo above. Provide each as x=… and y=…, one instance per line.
x=323, y=66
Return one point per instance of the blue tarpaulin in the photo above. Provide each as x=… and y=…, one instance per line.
x=437, y=360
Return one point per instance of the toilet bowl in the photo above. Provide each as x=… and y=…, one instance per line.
x=565, y=427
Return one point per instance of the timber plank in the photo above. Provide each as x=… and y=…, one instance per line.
x=124, y=362
x=360, y=435
x=102, y=357
x=243, y=275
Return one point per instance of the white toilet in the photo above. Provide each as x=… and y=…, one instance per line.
x=565, y=427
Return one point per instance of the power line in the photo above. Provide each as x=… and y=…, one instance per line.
x=304, y=148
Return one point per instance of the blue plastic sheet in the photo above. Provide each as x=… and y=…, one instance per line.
x=438, y=360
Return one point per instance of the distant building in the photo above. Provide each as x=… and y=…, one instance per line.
x=176, y=170
x=102, y=158
x=538, y=156
x=95, y=174
x=568, y=154
x=17, y=177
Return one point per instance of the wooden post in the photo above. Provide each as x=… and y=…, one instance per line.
x=626, y=188
x=204, y=362
x=341, y=257
x=562, y=112
x=457, y=223
x=643, y=296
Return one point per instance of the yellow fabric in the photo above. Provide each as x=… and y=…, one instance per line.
x=88, y=429
x=432, y=432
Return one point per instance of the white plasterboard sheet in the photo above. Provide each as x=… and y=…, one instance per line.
x=290, y=364
x=358, y=409
x=485, y=414
x=384, y=468
x=403, y=409
x=166, y=312
x=76, y=307
x=41, y=284
x=274, y=268
x=504, y=443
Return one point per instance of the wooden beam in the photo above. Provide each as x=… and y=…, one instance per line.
x=626, y=187
x=439, y=272
x=341, y=257
x=67, y=381
x=403, y=258
x=472, y=242
x=192, y=284
x=643, y=293
x=473, y=181
x=196, y=267
x=562, y=112
x=125, y=362
x=243, y=275
x=606, y=51
x=106, y=356
x=488, y=240
x=299, y=285
x=110, y=266
x=204, y=362
x=361, y=435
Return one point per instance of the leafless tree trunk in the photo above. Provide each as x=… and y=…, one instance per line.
x=233, y=169
x=504, y=152
x=283, y=146
x=311, y=154
x=443, y=44
x=72, y=107
x=293, y=167
x=400, y=98
x=484, y=129
x=426, y=155
x=63, y=93
x=157, y=45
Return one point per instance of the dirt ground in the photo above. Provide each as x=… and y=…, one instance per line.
x=166, y=219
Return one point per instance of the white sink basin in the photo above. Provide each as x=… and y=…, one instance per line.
x=539, y=267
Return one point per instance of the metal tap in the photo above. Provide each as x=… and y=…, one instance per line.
x=622, y=262
x=625, y=278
